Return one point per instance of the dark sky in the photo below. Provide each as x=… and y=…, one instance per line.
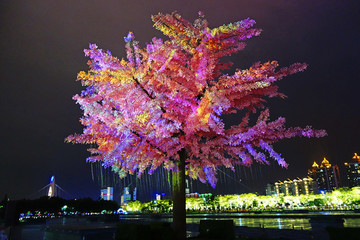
x=41, y=51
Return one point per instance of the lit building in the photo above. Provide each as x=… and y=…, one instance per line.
x=294, y=187
x=126, y=196
x=270, y=189
x=287, y=186
x=308, y=186
x=353, y=171
x=134, y=194
x=107, y=193
x=326, y=176
x=187, y=189
x=279, y=188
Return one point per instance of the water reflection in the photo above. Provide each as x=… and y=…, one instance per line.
x=297, y=221
x=279, y=223
x=352, y=222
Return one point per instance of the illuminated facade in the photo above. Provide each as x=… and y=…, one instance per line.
x=296, y=186
x=107, y=193
x=309, y=186
x=288, y=187
x=353, y=171
x=326, y=176
x=293, y=187
x=126, y=196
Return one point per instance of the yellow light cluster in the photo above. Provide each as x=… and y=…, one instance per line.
x=120, y=76
x=203, y=111
x=224, y=29
x=142, y=118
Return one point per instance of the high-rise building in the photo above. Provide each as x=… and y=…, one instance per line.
x=107, y=193
x=353, y=171
x=134, y=194
x=293, y=187
x=279, y=188
x=308, y=186
x=187, y=189
x=126, y=196
x=326, y=176
x=270, y=189
x=296, y=187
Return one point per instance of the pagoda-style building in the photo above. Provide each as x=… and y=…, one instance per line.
x=327, y=176
x=353, y=171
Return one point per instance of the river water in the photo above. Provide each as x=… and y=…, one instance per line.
x=285, y=221
x=300, y=221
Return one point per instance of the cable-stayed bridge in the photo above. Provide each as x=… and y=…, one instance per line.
x=50, y=190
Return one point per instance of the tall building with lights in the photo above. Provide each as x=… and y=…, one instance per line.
x=327, y=176
x=293, y=187
x=353, y=171
x=107, y=193
x=308, y=186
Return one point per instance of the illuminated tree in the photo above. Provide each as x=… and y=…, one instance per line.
x=162, y=106
x=194, y=203
x=134, y=206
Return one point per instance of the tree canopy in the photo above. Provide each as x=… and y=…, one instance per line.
x=170, y=96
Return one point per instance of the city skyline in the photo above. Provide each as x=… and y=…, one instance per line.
x=42, y=51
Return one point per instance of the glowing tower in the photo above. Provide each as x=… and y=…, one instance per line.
x=52, y=185
x=327, y=176
x=353, y=171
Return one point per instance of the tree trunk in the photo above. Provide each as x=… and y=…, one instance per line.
x=178, y=185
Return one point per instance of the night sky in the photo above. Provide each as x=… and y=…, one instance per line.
x=42, y=44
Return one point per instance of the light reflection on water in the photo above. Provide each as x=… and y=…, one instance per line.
x=279, y=223
x=352, y=222
x=269, y=220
